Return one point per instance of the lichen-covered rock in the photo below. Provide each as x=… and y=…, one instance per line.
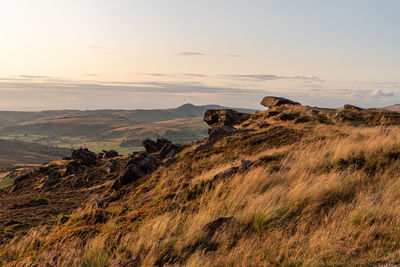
x=273, y=101
x=224, y=117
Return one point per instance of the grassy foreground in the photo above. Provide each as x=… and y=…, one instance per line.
x=318, y=194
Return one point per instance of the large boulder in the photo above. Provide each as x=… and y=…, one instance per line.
x=137, y=167
x=85, y=156
x=109, y=154
x=224, y=117
x=272, y=101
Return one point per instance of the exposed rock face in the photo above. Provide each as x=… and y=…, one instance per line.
x=272, y=101
x=165, y=147
x=216, y=134
x=137, y=167
x=223, y=117
x=371, y=117
x=85, y=156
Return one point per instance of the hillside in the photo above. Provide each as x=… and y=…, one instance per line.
x=289, y=186
x=395, y=108
x=121, y=130
x=17, y=152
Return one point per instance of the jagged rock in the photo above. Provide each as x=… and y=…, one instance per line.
x=102, y=203
x=109, y=154
x=74, y=167
x=272, y=101
x=214, y=226
x=164, y=146
x=302, y=119
x=223, y=117
x=85, y=156
x=288, y=116
x=142, y=164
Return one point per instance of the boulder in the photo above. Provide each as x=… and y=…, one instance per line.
x=352, y=108
x=137, y=167
x=85, y=156
x=216, y=134
x=223, y=117
x=272, y=101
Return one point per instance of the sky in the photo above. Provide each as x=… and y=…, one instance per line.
x=128, y=54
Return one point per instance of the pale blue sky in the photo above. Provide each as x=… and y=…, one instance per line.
x=232, y=52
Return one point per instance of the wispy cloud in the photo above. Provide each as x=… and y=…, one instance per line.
x=233, y=55
x=380, y=93
x=270, y=77
x=190, y=53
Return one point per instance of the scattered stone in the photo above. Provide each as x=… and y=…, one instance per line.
x=214, y=226
x=110, y=154
x=104, y=202
x=288, y=116
x=141, y=165
x=302, y=119
x=272, y=101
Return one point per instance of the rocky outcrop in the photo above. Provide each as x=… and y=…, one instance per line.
x=224, y=117
x=164, y=147
x=84, y=156
x=137, y=167
x=272, y=101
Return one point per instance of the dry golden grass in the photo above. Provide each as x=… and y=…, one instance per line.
x=331, y=200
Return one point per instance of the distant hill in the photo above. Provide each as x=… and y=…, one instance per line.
x=122, y=130
x=395, y=108
x=17, y=152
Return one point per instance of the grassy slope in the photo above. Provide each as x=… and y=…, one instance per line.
x=318, y=195
x=13, y=152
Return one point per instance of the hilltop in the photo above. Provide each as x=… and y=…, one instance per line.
x=291, y=185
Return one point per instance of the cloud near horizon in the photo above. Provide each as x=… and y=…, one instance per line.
x=30, y=92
